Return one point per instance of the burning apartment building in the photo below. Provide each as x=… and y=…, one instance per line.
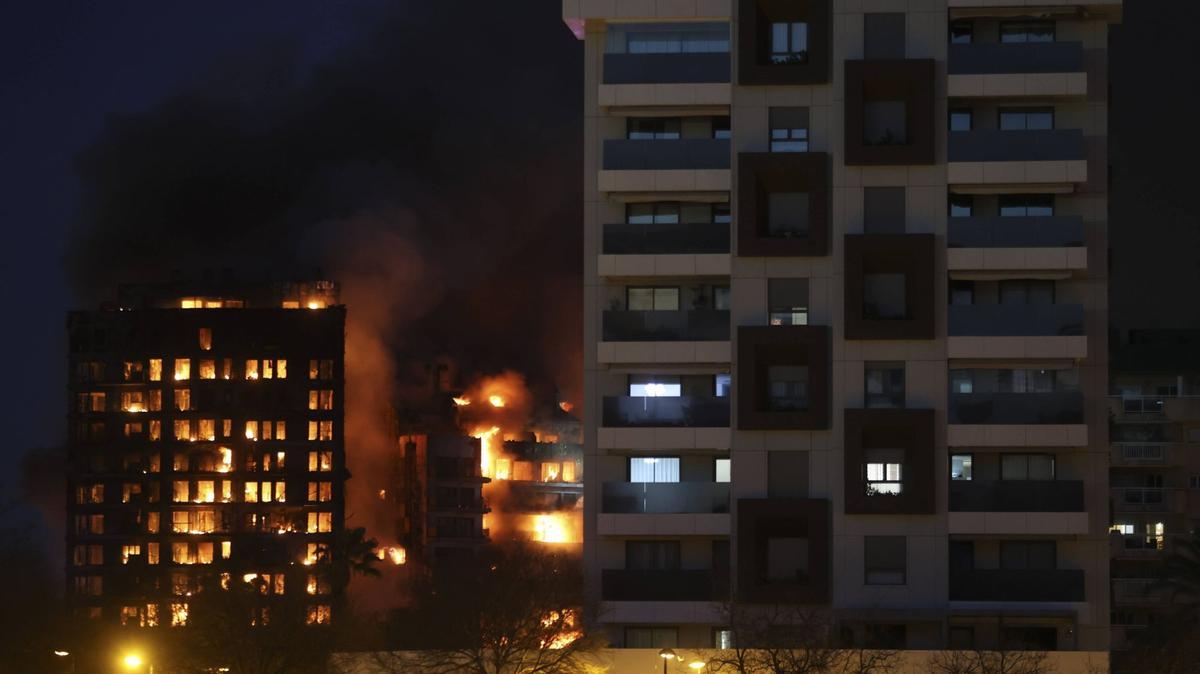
x=205, y=440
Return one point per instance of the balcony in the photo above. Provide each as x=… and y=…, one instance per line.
x=990, y=157
x=700, y=325
x=666, y=239
x=1132, y=454
x=1059, y=407
x=1012, y=232
x=1007, y=320
x=981, y=58
x=623, y=154
x=1145, y=499
x=692, y=68
x=1033, y=496
x=653, y=412
x=663, y=585
x=1034, y=585
x=665, y=497
x=1139, y=592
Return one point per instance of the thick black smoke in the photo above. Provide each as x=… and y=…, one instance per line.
x=452, y=127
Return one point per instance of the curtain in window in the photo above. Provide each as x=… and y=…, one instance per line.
x=648, y=469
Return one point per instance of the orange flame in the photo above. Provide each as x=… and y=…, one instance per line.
x=565, y=406
x=551, y=528
x=461, y=402
x=487, y=436
x=496, y=401
x=396, y=554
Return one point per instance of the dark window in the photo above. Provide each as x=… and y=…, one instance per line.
x=961, y=467
x=883, y=471
x=1026, y=205
x=885, y=637
x=1023, y=555
x=789, y=129
x=978, y=380
x=884, y=297
x=720, y=128
x=1026, y=119
x=883, y=35
x=721, y=214
x=1029, y=638
x=884, y=385
x=652, y=555
x=962, y=638
x=787, y=559
x=962, y=293
x=652, y=299
x=654, y=213
x=962, y=32
x=787, y=301
x=885, y=560
x=885, y=123
x=1027, y=467
x=961, y=119
x=1026, y=31
x=787, y=214
x=789, y=42
x=787, y=474
x=883, y=210
x=1027, y=292
x=787, y=387
x=651, y=637
x=961, y=205
x=652, y=128
x=721, y=298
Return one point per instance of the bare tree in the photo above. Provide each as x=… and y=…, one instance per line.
x=990, y=662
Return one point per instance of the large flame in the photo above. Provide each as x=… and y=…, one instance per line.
x=551, y=528
x=496, y=401
x=395, y=553
x=568, y=630
x=461, y=402
x=488, y=447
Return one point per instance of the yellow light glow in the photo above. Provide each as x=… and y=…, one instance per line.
x=461, y=402
x=696, y=665
x=132, y=661
x=313, y=304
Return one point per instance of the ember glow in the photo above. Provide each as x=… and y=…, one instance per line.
x=395, y=554
x=461, y=402
x=552, y=528
x=565, y=406
x=565, y=620
x=496, y=401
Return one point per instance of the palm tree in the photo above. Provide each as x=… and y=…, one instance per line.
x=354, y=554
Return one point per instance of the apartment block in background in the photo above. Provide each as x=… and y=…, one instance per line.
x=205, y=446
x=845, y=318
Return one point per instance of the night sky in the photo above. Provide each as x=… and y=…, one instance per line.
x=454, y=123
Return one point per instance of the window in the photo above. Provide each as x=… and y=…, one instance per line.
x=183, y=399
x=652, y=555
x=319, y=523
x=721, y=470
x=789, y=42
x=651, y=637
x=652, y=299
x=183, y=369
x=884, y=296
x=208, y=369
x=787, y=474
x=787, y=214
x=787, y=301
x=319, y=614
x=883, y=35
x=960, y=466
x=722, y=638
x=962, y=32
x=960, y=119
x=320, y=430
x=550, y=471
x=320, y=462
x=1019, y=555
x=320, y=492
x=885, y=560
x=320, y=369
x=653, y=469
x=787, y=387
x=789, y=129
x=962, y=638
x=1026, y=31
x=721, y=385
x=1025, y=292
x=655, y=213
x=885, y=123
x=962, y=293
x=884, y=385
x=961, y=205
x=1194, y=482
x=652, y=128
x=205, y=339
x=1012, y=381
x=787, y=559
x=156, y=369
x=1026, y=119
x=883, y=210
x=1026, y=205
x=720, y=128
x=1027, y=467
x=720, y=298
x=689, y=38
x=134, y=370
x=884, y=471
x=654, y=386
x=320, y=400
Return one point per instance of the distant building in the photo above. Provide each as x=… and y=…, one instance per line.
x=205, y=439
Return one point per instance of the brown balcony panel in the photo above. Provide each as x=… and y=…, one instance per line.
x=900, y=81
x=911, y=255
x=902, y=429
x=760, y=347
x=763, y=173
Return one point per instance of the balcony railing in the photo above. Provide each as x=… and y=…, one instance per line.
x=1011, y=496
x=1139, y=591
x=624, y=154
x=1058, y=407
x=665, y=497
x=703, y=325
x=1139, y=453
x=993, y=145
x=1010, y=320
x=1143, y=499
x=695, y=68
x=687, y=412
x=666, y=239
x=1137, y=405
x=1016, y=585
x=1015, y=232
x=663, y=585
x=994, y=58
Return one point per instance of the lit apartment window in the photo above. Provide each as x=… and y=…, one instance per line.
x=205, y=339
x=319, y=614
x=655, y=386
x=155, y=400
x=183, y=399
x=156, y=369
x=320, y=430
x=183, y=429
x=320, y=523
x=183, y=369
x=134, y=370
x=320, y=492
x=884, y=471
x=1015, y=32
x=320, y=400
x=653, y=469
x=252, y=369
x=320, y=462
x=179, y=614
x=320, y=369
x=721, y=468
x=789, y=129
x=208, y=369
x=789, y=42
x=961, y=467
x=652, y=299
x=93, y=493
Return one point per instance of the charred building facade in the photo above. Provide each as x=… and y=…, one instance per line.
x=205, y=442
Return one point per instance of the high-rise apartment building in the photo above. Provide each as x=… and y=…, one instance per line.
x=205, y=445
x=845, y=317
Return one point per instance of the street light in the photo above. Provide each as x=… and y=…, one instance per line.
x=65, y=654
x=132, y=661
x=666, y=654
x=697, y=665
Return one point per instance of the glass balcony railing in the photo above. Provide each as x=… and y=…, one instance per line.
x=1015, y=232
x=666, y=238
x=624, y=154
x=685, y=412
x=1034, y=496
x=1050, y=585
x=1013, y=320
x=664, y=585
x=995, y=58
x=690, y=68
x=703, y=325
x=665, y=497
x=986, y=145
x=1058, y=407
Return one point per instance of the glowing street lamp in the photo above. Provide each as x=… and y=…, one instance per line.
x=132, y=661
x=696, y=665
x=667, y=655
